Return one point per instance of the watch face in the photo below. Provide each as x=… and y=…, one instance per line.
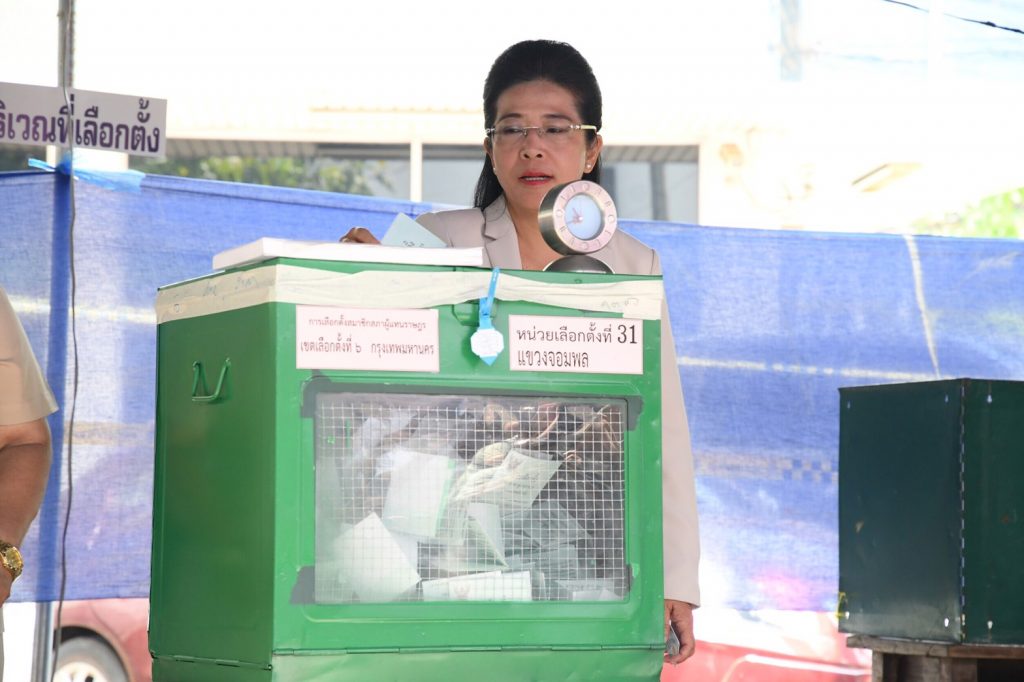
x=583, y=216
x=577, y=218
x=10, y=558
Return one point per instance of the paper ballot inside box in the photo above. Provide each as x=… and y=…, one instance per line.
x=417, y=501
x=373, y=563
x=490, y=586
x=513, y=485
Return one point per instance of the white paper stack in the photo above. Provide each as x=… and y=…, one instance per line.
x=271, y=247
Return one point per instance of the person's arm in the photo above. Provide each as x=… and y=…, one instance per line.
x=679, y=499
x=24, y=468
x=679, y=493
x=681, y=537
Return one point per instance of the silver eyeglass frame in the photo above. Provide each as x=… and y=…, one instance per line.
x=540, y=129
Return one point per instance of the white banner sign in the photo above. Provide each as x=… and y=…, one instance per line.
x=37, y=115
x=367, y=339
x=598, y=345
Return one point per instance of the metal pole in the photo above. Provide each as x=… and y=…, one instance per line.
x=42, y=651
x=49, y=526
x=791, y=57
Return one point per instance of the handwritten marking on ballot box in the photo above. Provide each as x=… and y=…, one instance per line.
x=598, y=345
x=390, y=339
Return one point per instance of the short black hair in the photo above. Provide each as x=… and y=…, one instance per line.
x=530, y=60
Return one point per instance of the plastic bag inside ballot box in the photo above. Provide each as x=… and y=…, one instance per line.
x=441, y=498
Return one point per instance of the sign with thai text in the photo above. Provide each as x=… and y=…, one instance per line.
x=37, y=115
x=391, y=339
x=598, y=345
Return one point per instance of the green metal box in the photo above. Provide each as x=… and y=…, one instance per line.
x=931, y=511
x=404, y=510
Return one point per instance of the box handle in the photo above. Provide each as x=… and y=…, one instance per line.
x=198, y=379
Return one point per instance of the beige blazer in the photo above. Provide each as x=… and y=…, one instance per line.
x=492, y=229
x=24, y=394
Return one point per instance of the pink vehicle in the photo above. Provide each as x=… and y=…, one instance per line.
x=770, y=646
x=104, y=640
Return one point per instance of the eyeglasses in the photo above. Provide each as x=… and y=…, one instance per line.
x=510, y=135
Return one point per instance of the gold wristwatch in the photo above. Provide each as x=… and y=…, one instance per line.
x=10, y=558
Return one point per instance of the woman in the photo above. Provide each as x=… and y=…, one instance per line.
x=542, y=111
x=25, y=402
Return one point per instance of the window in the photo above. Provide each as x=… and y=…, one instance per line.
x=450, y=173
x=652, y=183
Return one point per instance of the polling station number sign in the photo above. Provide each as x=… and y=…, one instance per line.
x=408, y=340
x=576, y=344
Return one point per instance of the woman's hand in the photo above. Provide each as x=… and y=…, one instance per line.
x=359, y=235
x=679, y=617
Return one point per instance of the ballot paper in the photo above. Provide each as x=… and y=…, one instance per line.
x=374, y=431
x=418, y=494
x=373, y=563
x=481, y=546
x=513, y=485
x=487, y=521
x=547, y=524
x=489, y=586
x=405, y=231
x=590, y=590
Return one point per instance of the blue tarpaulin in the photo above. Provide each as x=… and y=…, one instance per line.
x=768, y=325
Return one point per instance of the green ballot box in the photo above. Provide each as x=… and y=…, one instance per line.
x=349, y=487
x=931, y=523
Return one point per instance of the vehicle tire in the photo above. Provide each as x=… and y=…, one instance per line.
x=87, y=659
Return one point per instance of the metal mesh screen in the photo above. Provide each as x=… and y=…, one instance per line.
x=441, y=498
